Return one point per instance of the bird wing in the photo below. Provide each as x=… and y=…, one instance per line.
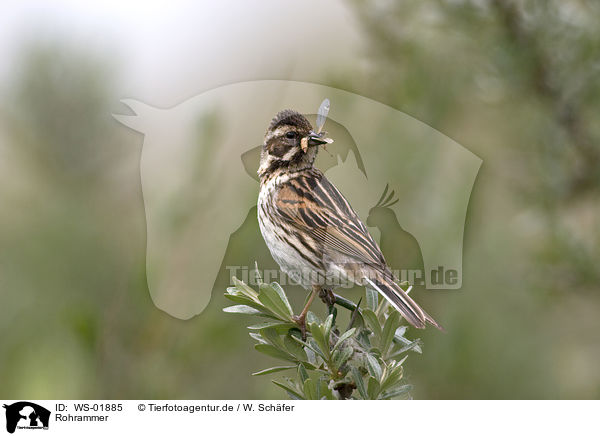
x=313, y=205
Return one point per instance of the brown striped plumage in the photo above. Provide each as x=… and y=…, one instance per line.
x=310, y=228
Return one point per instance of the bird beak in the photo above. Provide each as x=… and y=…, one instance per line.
x=314, y=139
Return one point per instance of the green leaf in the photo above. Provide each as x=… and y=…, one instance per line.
x=310, y=354
x=327, y=327
x=358, y=381
x=372, y=388
x=302, y=373
x=396, y=392
x=415, y=346
x=311, y=318
x=258, y=338
x=319, y=338
x=279, y=326
x=333, y=312
x=243, y=300
x=318, y=395
x=372, y=299
x=274, y=369
x=277, y=287
x=317, y=349
x=244, y=288
x=363, y=339
x=310, y=389
x=400, y=331
x=242, y=308
x=357, y=320
x=372, y=321
x=272, y=351
x=343, y=337
x=400, y=339
x=341, y=356
x=259, y=279
x=364, y=355
x=392, y=378
x=312, y=345
x=294, y=393
x=324, y=391
x=373, y=366
x=272, y=336
x=294, y=348
x=273, y=302
x=389, y=329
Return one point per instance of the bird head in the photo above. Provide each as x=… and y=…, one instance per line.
x=290, y=144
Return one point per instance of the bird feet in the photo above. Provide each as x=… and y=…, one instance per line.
x=327, y=296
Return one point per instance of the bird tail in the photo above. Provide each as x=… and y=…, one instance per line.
x=400, y=300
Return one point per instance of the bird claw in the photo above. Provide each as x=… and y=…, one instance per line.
x=327, y=296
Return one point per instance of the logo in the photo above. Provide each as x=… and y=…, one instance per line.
x=199, y=185
x=26, y=415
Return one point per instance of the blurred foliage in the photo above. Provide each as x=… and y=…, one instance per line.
x=516, y=82
x=362, y=361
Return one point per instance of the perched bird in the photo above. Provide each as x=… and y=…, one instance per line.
x=309, y=227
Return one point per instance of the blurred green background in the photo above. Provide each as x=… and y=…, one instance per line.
x=515, y=82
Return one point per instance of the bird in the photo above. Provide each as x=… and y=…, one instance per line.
x=310, y=228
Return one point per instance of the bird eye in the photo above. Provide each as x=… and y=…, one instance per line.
x=290, y=135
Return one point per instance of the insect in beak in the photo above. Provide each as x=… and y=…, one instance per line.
x=314, y=139
x=318, y=137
